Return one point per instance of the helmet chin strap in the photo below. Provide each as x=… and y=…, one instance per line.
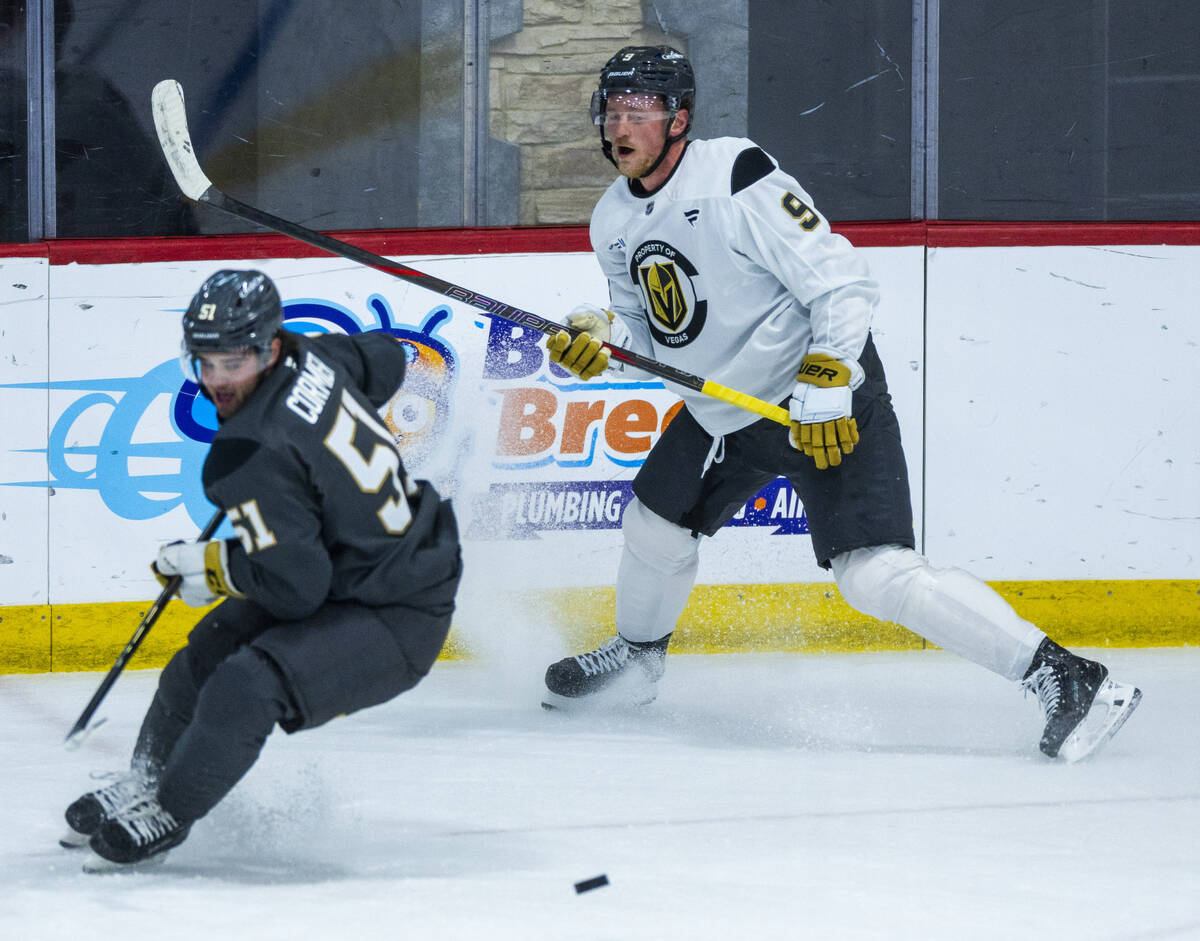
x=668, y=143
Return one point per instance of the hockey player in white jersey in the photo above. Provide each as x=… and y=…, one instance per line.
x=719, y=263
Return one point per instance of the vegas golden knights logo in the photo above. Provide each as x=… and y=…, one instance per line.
x=660, y=283
x=672, y=292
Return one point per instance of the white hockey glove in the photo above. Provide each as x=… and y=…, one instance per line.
x=204, y=567
x=822, y=426
x=584, y=356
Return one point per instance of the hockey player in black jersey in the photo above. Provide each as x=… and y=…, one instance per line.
x=336, y=593
x=719, y=264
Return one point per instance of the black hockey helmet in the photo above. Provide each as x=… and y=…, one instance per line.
x=646, y=70
x=233, y=310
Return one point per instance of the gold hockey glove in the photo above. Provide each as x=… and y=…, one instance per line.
x=584, y=355
x=822, y=426
x=203, y=566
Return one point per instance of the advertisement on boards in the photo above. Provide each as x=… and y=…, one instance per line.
x=112, y=436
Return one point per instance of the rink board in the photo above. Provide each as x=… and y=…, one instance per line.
x=805, y=618
x=1009, y=365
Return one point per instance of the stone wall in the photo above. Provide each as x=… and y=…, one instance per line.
x=540, y=83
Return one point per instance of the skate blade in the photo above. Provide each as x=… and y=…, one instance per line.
x=616, y=698
x=73, y=839
x=96, y=864
x=1113, y=705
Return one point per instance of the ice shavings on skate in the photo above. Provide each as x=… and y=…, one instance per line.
x=616, y=674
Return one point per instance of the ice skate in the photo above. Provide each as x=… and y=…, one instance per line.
x=1083, y=706
x=138, y=835
x=618, y=674
x=86, y=814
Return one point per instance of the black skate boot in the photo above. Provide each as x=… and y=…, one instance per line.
x=137, y=835
x=621, y=673
x=86, y=814
x=1083, y=707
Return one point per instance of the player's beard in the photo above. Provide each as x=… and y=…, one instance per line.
x=229, y=401
x=634, y=165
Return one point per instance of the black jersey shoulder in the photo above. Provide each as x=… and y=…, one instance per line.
x=374, y=362
x=225, y=456
x=750, y=166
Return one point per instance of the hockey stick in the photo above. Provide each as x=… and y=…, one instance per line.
x=170, y=119
x=75, y=737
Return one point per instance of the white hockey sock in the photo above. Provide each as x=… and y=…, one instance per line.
x=658, y=566
x=949, y=607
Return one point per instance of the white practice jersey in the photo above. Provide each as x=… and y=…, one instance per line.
x=728, y=272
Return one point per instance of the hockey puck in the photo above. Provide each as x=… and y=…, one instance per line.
x=588, y=884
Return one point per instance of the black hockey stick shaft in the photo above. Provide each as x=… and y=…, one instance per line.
x=171, y=122
x=139, y=635
x=487, y=305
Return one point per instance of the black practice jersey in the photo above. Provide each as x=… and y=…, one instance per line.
x=312, y=481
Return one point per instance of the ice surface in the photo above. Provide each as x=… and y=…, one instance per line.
x=763, y=796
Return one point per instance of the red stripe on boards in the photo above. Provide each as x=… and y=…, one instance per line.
x=402, y=243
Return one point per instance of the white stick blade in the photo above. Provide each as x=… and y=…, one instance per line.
x=170, y=120
x=74, y=740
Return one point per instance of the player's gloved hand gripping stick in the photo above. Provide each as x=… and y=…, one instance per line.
x=170, y=119
x=585, y=352
x=202, y=568
x=821, y=405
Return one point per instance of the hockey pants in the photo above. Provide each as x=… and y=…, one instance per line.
x=206, y=727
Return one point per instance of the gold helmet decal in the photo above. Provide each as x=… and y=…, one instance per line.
x=672, y=292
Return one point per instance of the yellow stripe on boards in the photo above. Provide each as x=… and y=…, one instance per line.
x=89, y=636
x=25, y=639
x=1131, y=613
x=64, y=638
x=813, y=617
x=810, y=618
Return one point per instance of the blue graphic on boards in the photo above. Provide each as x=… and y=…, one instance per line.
x=139, y=480
x=105, y=466
x=94, y=443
